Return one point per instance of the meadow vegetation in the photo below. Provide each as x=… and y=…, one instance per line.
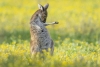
x=76, y=37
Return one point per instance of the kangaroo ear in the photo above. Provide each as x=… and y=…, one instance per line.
x=46, y=6
x=40, y=7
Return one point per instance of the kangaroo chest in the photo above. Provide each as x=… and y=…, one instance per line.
x=43, y=38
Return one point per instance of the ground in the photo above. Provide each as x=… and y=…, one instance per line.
x=76, y=37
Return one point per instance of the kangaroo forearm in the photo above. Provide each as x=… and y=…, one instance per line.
x=46, y=24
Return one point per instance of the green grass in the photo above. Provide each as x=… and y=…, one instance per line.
x=76, y=37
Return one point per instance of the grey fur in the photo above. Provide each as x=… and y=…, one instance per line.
x=40, y=38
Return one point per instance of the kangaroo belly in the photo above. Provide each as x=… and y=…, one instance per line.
x=40, y=36
x=44, y=39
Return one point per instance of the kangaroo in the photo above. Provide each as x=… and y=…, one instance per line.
x=40, y=38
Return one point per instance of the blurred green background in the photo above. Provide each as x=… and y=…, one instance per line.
x=78, y=19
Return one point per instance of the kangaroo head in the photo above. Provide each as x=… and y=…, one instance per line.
x=43, y=12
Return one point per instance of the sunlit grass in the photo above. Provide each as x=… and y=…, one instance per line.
x=67, y=53
x=76, y=37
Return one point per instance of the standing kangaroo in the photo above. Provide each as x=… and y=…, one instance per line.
x=40, y=38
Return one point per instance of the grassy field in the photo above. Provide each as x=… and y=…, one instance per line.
x=76, y=37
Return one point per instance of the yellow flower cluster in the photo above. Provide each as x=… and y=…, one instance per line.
x=77, y=53
x=76, y=37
